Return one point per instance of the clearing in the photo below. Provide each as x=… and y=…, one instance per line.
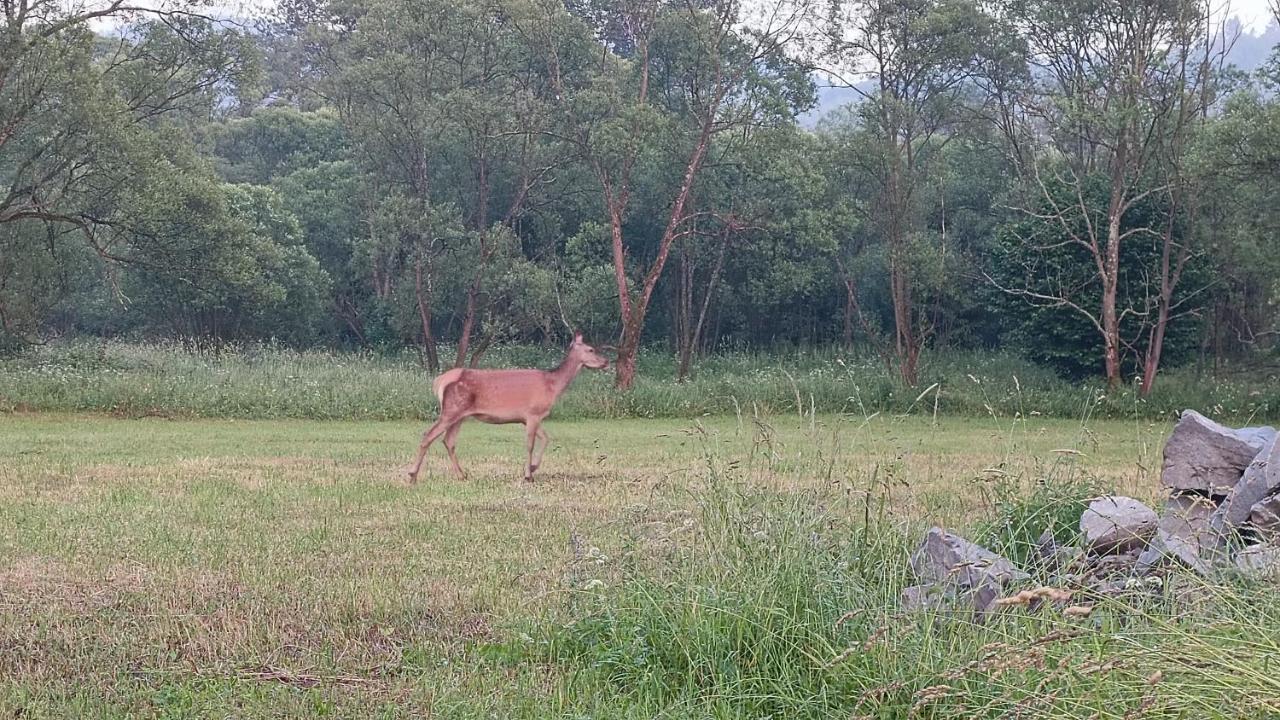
x=217, y=568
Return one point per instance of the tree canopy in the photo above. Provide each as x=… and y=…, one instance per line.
x=1090, y=184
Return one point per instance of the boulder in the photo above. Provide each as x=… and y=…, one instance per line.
x=1265, y=516
x=1116, y=524
x=1263, y=433
x=1201, y=455
x=944, y=557
x=1259, y=561
x=1261, y=478
x=1184, y=534
x=1053, y=557
x=946, y=596
x=1110, y=566
x=930, y=596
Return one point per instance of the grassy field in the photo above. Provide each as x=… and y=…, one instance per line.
x=656, y=568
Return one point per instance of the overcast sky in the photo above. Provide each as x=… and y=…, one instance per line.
x=1254, y=15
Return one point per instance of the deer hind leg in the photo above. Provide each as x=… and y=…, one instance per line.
x=428, y=438
x=451, y=440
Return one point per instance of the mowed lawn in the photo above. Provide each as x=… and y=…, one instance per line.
x=217, y=568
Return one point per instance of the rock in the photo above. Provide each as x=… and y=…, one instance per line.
x=1263, y=433
x=1185, y=534
x=930, y=596
x=1116, y=524
x=1121, y=564
x=1054, y=558
x=1203, y=456
x=1261, y=478
x=1265, y=516
x=947, y=558
x=946, y=596
x=1260, y=561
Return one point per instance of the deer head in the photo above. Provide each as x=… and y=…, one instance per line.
x=583, y=353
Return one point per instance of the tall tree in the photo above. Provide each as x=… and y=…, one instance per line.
x=687, y=73
x=441, y=102
x=911, y=62
x=1114, y=90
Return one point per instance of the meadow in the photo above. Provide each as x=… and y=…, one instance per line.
x=262, y=382
x=156, y=562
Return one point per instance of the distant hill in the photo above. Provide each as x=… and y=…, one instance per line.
x=1248, y=53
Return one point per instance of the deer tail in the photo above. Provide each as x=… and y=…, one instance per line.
x=443, y=381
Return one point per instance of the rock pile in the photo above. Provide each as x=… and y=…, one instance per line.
x=1222, y=510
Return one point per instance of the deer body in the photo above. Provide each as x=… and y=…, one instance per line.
x=502, y=397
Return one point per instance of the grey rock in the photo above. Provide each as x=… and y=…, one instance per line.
x=929, y=596
x=1263, y=433
x=1265, y=516
x=1260, y=561
x=978, y=601
x=1116, y=524
x=1261, y=478
x=944, y=557
x=1184, y=534
x=1205, y=456
x=1053, y=557
x=1120, y=564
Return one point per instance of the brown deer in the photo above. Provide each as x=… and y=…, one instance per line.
x=500, y=397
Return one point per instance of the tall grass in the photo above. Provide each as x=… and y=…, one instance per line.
x=266, y=382
x=771, y=606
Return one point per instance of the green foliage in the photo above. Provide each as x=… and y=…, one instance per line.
x=1051, y=284
x=444, y=165
x=274, y=142
x=273, y=382
x=253, y=278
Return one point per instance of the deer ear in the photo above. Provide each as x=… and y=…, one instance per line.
x=577, y=336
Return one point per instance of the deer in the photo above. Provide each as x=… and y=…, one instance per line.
x=501, y=397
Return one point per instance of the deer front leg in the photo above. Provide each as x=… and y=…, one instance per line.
x=450, y=440
x=541, y=448
x=428, y=437
x=531, y=430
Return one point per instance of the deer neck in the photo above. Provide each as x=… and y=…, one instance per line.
x=564, y=374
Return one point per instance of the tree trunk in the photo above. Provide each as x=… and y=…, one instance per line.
x=627, y=350
x=846, y=334
x=686, y=358
x=424, y=314
x=468, y=321
x=1110, y=283
x=481, y=225
x=634, y=320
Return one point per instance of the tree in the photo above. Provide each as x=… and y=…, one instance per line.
x=1234, y=163
x=246, y=276
x=84, y=120
x=917, y=58
x=1115, y=89
x=691, y=74
x=1040, y=258
x=68, y=100
x=440, y=101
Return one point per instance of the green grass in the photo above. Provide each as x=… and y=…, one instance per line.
x=137, y=381
x=721, y=567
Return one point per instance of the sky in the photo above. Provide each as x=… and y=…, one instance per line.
x=1254, y=15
